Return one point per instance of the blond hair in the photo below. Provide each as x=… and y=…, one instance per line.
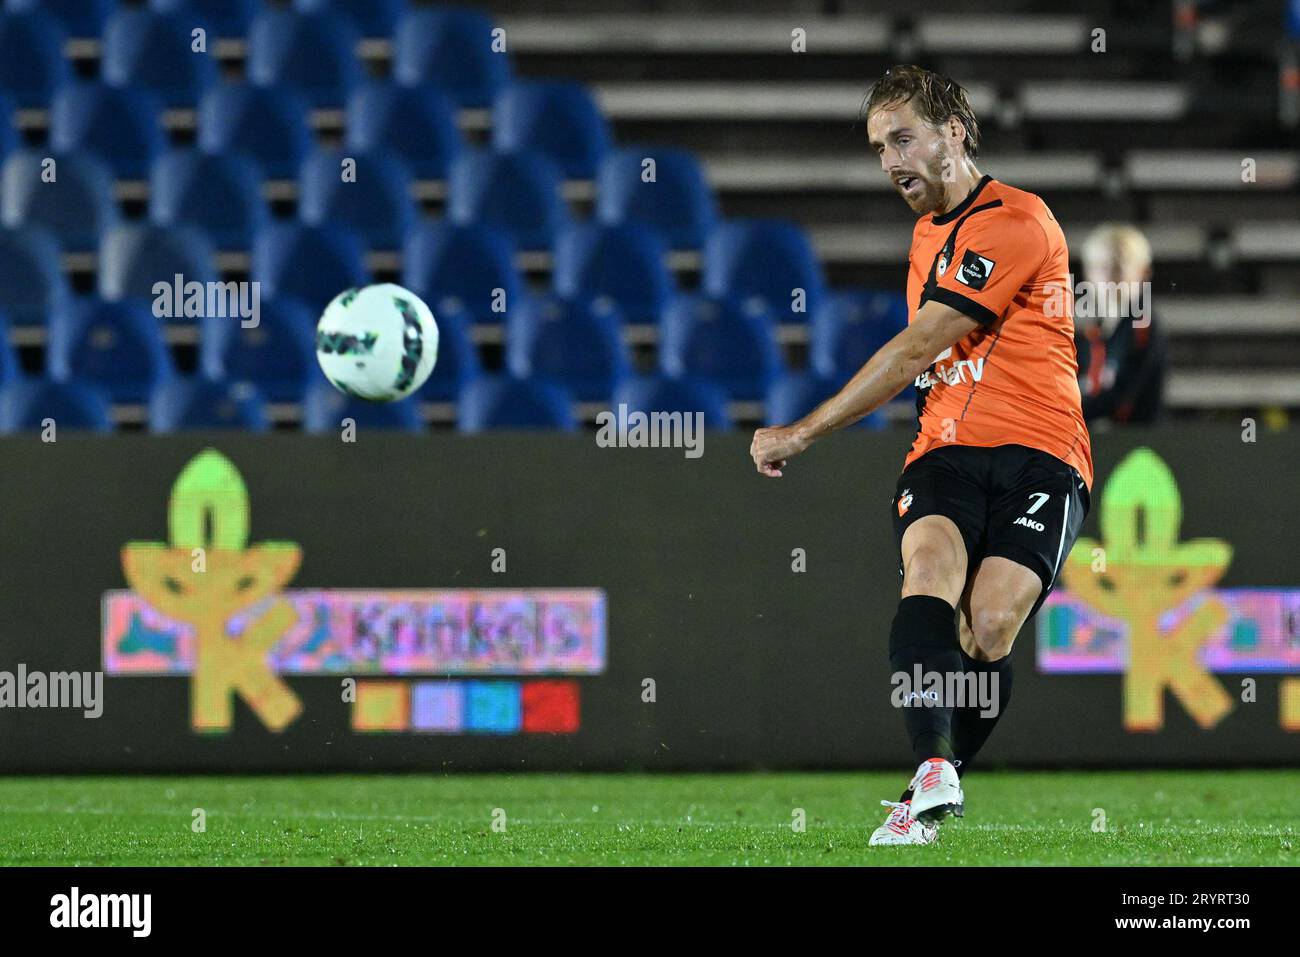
x=934, y=96
x=1130, y=248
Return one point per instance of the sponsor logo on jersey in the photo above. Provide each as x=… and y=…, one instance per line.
x=974, y=270
x=1029, y=523
x=904, y=502
x=961, y=371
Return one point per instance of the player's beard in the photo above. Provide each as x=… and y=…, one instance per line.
x=932, y=196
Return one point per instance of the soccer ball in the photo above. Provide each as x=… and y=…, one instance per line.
x=378, y=342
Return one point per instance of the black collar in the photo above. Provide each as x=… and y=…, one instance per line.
x=964, y=205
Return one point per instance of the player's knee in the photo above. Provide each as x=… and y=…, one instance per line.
x=994, y=630
x=932, y=571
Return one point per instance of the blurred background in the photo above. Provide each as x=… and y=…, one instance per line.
x=502, y=154
x=666, y=205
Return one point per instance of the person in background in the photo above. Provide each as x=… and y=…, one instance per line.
x=1122, y=354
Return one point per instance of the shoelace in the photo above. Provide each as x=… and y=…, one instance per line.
x=899, y=821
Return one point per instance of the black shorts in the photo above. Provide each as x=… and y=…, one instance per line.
x=1011, y=501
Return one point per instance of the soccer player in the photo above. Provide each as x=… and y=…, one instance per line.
x=995, y=487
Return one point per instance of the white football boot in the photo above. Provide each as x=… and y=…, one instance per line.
x=936, y=791
x=901, y=828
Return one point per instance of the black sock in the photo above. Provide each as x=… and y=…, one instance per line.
x=969, y=729
x=924, y=636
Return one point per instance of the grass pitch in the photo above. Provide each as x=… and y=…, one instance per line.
x=1043, y=818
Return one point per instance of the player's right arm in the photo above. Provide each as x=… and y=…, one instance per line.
x=936, y=327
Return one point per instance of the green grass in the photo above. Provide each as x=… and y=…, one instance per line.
x=1172, y=818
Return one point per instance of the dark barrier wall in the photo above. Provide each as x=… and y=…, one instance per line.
x=753, y=663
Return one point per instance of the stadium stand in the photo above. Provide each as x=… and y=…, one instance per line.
x=624, y=263
x=77, y=207
x=417, y=124
x=30, y=405
x=185, y=404
x=460, y=268
x=277, y=354
x=503, y=402
x=115, y=346
x=32, y=66
x=153, y=51
x=453, y=50
x=376, y=203
x=728, y=341
x=509, y=162
x=577, y=343
x=269, y=125
x=657, y=393
x=311, y=53
x=325, y=409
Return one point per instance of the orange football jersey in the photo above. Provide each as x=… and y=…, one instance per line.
x=1000, y=258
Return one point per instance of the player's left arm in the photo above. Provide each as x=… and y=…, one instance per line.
x=936, y=327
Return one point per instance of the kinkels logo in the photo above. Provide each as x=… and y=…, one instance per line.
x=1143, y=603
x=208, y=573
x=209, y=604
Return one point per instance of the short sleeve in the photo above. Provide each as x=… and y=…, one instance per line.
x=993, y=254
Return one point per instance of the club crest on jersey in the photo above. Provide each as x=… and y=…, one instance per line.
x=974, y=270
x=943, y=262
x=904, y=502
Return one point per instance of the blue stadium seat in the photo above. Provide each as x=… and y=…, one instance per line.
x=116, y=346
x=767, y=259
x=371, y=18
x=225, y=18
x=662, y=394
x=626, y=263
x=132, y=258
x=184, y=404
x=25, y=404
x=577, y=343
x=313, y=53
x=32, y=66
x=458, y=359
x=678, y=203
x=121, y=126
x=555, y=118
x=418, y=124
x=324, y=408
x=267, y=125
x=311, y=263
x=77, y=18
x=520, y=193
x=451, y=49
x=278, y=355
x=10, y=369
x=501, y=402
x=729, y=342
x=154, y=52
x=32, y=283
x=221, y=194
x=10, y=139
x=850, y=326
x=76, y=207
x=456, y=268
x=378, y=205
x=795, y=394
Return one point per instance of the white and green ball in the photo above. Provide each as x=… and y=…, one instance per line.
x=377, y=342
